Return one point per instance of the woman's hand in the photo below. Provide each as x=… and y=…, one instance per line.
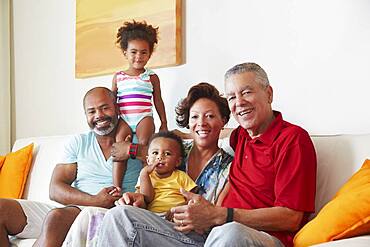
x=196, y=215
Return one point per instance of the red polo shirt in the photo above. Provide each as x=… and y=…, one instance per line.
x=278, y=168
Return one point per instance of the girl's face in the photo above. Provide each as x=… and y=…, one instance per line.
x=164, y=154
x=205, y=122
x=137, y=53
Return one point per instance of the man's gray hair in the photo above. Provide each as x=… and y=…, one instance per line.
x=261, y=76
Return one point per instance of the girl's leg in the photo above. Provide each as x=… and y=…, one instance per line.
x=119, y=167
x=144, y=130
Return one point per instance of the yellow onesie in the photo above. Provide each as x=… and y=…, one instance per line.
x=167, y=190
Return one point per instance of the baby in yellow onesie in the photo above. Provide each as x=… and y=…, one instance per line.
x=160, y=181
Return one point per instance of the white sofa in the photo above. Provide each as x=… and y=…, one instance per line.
x=339, y=156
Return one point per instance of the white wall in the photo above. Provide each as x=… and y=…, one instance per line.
x=316, y=53
x=5, y=89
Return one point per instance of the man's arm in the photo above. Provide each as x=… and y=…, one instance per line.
x=200, y=215
x=120, y=151
x=61, y=191
x=265, y=219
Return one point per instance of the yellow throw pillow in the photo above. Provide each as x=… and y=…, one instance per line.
x=346, y=215
x=14, y=172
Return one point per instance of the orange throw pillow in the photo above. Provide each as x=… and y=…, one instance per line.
x=2, y=159
x=346, y=215
x=14, y=172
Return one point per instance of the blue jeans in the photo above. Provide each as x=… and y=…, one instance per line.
x=131, y=226
x=236, y=234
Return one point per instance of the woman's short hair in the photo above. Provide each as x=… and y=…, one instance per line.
x=201, y=90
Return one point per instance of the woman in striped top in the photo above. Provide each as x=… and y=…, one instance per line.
x=135, y=88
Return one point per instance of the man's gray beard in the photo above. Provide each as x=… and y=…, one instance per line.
x=105, y=131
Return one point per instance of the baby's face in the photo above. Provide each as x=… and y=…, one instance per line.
x=164, y=154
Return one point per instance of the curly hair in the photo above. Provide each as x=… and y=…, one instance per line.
x=169, y=135
x=136, y=30
x=201, y=90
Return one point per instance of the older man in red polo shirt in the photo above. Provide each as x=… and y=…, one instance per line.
x=273, y=176
x=272, y=181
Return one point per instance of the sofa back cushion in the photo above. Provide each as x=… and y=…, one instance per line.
x=47, y=153
x=338, y=158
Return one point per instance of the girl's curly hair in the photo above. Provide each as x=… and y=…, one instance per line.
x=201, y=90
x=137, y=30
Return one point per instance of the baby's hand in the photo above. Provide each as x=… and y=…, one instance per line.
x=169, y=216
x=150, y=168
x=116, y=191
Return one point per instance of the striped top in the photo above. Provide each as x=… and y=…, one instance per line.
x=134, y=96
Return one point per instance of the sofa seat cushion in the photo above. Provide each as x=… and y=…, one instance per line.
x=20, y=242
x=362, y=241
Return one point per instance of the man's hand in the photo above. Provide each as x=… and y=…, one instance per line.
x=196, y=215
x=131, y=198
x=120, y=150
x=107, y=196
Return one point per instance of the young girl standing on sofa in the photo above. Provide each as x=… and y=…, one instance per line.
x=135, y=88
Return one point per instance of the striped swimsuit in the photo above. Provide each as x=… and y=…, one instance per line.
x=134, y=97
